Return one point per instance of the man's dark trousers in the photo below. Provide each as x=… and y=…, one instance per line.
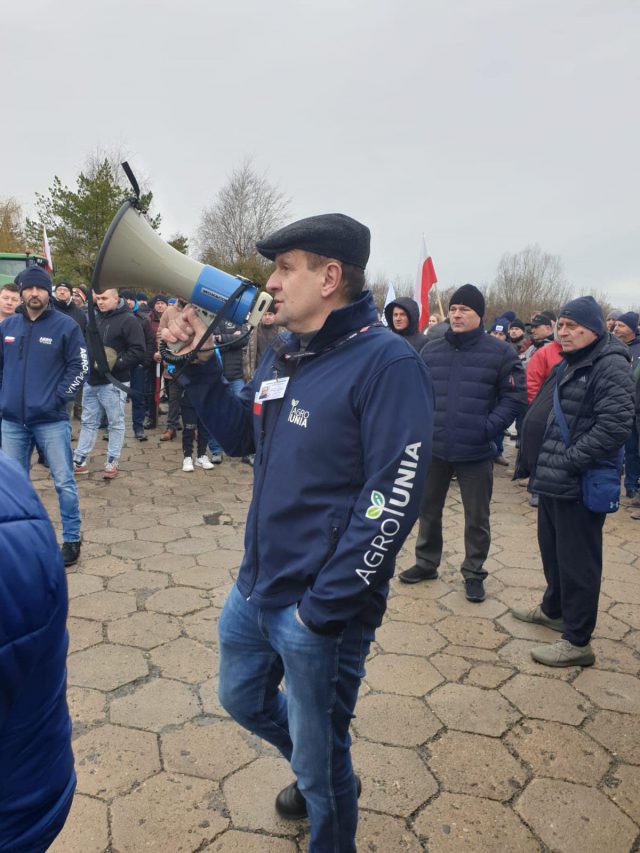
x=570, y=540
x=476, y=486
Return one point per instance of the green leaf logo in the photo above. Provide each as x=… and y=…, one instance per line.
x=377, y=505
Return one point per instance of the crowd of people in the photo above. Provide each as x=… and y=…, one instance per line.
x=407, y=412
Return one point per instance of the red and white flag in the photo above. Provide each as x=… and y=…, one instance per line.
x=46, y=250
x=425, y=278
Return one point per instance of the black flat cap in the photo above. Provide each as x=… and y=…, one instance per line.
x=332, y=235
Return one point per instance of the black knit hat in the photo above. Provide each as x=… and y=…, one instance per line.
x=34, y=276
x=470, y=296
x=516, y=324
x=127, y=294
x=141, y=297
x=630, y=319
x=332, y=235
x=586, y=312
x=159, y=297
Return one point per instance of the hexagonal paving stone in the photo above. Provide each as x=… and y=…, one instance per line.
x=203, y=626
x=177, y=601
x=185, y=660
x=397, y=720
x=470, y=709
x=161, y=534
x=420, y=610
x=404, y=674
x=202, y=577
x=221, y=558
x=475, y=765
x=137, y=579
x=136, y=549
x=208, y=692
x=83, y=633
x=619, y=733
x=612, y=690
x=612, y=654
x=211, y=749
x=103, y=605
x=573, y=818
x=81, y=584
x=108, y=566
x=250, y=793
x=458, y=604
x=166, y=563
x=85, y=830
x=105, y=667
x=87, y=707
x=451, y=667
x=624, y=789
x=234, y=841
x=144, y=630
x=394, y=780
x=546, y=699
x=169, y=812
x=407, y=638
x=110, y=759
x=627, y=613
x=159, y=703
x=487, y=675
x=559, y=751
x=470, y=631
x=454, y=822
x=107, y=535
x=517, y=653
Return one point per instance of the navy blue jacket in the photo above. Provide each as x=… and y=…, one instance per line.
x=339, y=468
x=43, y=364
x=479, y=383
x=37, y=779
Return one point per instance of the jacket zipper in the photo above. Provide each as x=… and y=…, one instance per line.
x=24, y=366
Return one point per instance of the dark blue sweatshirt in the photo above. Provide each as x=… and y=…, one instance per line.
x=340, y=464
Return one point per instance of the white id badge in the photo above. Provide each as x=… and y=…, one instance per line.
x=272, y=389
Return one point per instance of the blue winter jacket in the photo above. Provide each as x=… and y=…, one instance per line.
x=479, y=383
x=340, y=464
x=43, y=363
x=37, y=779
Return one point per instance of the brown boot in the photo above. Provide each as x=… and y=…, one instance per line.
x=168, y=435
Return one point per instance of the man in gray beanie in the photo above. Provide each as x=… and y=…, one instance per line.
x=595, y=394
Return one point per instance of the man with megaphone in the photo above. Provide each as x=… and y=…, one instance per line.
x=339, y=415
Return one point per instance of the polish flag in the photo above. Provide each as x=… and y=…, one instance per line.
x=425, y=278
x=46, y=249
x=390, y=297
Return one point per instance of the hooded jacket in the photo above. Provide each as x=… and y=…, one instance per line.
x=411, y=334
x=597, y=400
x=339, y=467
x=123, y=332
x=479, y=389
x=43, y=364
x=71, y=310
x=37, y=779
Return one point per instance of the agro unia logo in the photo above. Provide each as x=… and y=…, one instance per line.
x=390, y=512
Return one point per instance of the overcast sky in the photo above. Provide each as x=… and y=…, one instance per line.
x=485, y=125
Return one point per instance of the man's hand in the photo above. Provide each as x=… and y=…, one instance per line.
x=186, y=326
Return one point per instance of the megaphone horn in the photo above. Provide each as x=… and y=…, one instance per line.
x=133, y=255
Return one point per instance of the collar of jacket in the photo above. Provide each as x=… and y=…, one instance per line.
x=340, y=322
x=604, y=345
x=464, y=340
x=23, y=311
x=120, y=308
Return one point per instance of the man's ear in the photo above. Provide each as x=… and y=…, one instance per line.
x=332, y=278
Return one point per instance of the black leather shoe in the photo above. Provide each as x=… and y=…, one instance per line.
x=70, y=552
x=474, y=590
x=291, y=805
x=416, y=574
x=141, y=436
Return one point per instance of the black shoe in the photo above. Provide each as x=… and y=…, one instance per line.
x=416, y=574
x=291, y=805
x=474, y=590
x=248, y=460
x=630, y=493
x=70, y=552
x=141, y=436
x=148, y=424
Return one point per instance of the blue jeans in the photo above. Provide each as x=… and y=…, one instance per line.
x=54, y=439
x=236, y=386
x=97, y=399
x=632, y=461
x=138, y=404
x=309, y=723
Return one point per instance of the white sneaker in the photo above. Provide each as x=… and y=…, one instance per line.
x=204, y=462
x=187, y=464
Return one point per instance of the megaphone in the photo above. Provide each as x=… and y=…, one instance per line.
x=133, y=255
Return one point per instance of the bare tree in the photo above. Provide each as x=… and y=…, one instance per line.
x=527, y=281
x=12, y=237
x=247, y=208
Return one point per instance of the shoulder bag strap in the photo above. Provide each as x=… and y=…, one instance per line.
x=557, y=411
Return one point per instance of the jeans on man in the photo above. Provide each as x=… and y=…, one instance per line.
x=96, y=400
x=138, y=402
x=54, y=439
x=309, y=723
x=632, y=461
x=476, y=486
x=236, y=386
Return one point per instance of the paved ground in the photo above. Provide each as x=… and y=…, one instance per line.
x=462, y=742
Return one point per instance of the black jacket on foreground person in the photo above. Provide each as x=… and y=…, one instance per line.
x=597, y=400
x=411, y=334
x=123, y=332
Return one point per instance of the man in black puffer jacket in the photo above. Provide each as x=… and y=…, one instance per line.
x=479, y=386
x=596, y=398
x=403, y=316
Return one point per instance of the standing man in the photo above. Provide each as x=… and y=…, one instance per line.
x=340, y=417
x=138, y=380
x=122, y=336
x=63, y=301
x=541, y=335
x=234, y=342
x=43, y=363
x=626, y=329
x=595, y=393
x=479, y=390
x=403, y=318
